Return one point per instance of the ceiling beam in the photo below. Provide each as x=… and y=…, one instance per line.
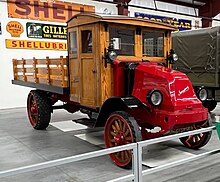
x=209, y=11
x=122, y=6
x=211, y=8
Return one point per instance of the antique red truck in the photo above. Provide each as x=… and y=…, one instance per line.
x=118, y=72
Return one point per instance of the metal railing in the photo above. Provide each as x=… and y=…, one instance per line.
x=80, y=157
x=142, y=144
x=137, y=172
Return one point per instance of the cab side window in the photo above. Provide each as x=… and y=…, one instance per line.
x=86, y=41
x=73, y=43
x=123, y=40
x=153, y=44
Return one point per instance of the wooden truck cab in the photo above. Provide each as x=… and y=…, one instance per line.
x=118, y=72
x=89, y=35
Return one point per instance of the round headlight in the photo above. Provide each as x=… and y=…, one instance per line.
x=172, y=58
x=155, y=97
x=175, y=57
x=202, y=94
x=112, y=55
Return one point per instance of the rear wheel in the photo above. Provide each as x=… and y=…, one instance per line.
x=121, y=129
x=199, y=140
x=39, y=109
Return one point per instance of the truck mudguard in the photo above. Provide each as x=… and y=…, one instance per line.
x=116, y=104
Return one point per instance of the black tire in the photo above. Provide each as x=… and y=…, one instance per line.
x=199, y=140
x=121, y=129
x=210, y=104
x=38, y=109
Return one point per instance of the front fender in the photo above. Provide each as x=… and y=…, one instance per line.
x=116, y=104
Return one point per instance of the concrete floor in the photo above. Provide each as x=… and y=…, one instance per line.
x=21, y=145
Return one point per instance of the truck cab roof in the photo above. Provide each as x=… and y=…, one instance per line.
x=87, y=18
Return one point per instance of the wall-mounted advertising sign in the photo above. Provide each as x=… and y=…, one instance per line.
x=55, y=11
x=34, y=30
x=41, y=45
x=15, y=28
x=181, y=24
x=38, y=30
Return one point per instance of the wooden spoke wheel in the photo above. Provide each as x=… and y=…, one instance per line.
x=38, y=109
x=121, y=129
x=199, y=140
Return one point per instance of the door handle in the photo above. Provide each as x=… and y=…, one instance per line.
x=75, y=80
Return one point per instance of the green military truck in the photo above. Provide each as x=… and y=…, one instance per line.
x=199, y=57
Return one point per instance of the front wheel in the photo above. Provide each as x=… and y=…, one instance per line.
x=199, y=140
x=121, y=129
x=38, y=109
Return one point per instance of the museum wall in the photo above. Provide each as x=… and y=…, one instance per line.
x=12, y=95
x=20, y=44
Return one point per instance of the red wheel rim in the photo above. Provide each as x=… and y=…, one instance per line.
x=196, y=140
x=32, y=110
x=118, y=132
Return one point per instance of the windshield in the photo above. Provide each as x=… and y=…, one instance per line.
x=137, y=42
x=153, y=44
x=123, y=40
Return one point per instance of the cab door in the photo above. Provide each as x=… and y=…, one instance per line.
x=88, y=65
x=74, y=65
x=84, y=70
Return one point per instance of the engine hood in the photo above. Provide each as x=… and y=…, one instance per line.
x=175, y=86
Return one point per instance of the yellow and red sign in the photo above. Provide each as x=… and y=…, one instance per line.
x=41, y=45
x=15, y=28
x=54, y=11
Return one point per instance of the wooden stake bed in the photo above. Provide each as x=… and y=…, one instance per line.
x=47, y=74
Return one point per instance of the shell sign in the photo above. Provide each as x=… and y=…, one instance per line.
x=15, y=28
x=46, y=10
